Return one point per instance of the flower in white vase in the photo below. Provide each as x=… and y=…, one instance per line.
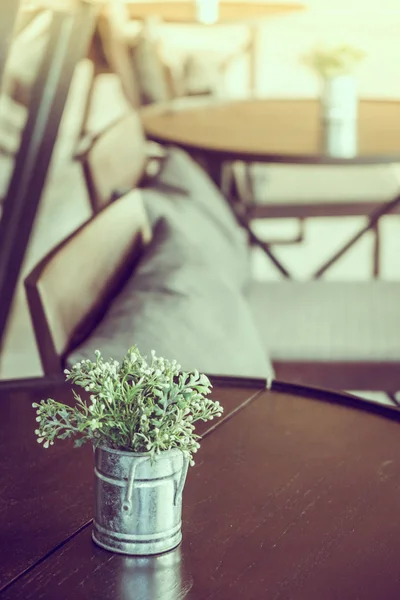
x=334, y=61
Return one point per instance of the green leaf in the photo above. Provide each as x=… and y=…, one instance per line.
x=79, y=442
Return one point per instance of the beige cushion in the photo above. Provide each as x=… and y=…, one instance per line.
x=25, y=56
x=151, y=73
x=299, y=184
x=328, y=321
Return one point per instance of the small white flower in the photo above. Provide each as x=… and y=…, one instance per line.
x=46, y=444
x=37, y=432
x=66, y=371
x=39, y=440
x=38, y=419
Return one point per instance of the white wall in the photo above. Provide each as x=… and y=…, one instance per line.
x=285, y=38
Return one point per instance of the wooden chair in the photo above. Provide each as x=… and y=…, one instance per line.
x=26, y=52
x=111, y=35
x=112, y=52
x=109, y=53
x=134, y=53
x=115, y=161
x=70, y=289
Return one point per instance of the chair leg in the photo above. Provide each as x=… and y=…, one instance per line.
x=373, y=220
x=377, y=250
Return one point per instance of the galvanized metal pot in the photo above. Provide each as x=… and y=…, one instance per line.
x=138, y=504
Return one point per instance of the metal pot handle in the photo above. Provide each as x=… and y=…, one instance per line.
x=179, y=488
x=127, y=502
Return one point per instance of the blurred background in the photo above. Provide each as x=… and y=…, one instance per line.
x=257, y=51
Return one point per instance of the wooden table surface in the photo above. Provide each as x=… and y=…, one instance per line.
x=271, y=130
x=230, y=11
x=295, y=495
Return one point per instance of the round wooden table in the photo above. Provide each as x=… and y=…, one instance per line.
x=295, y=495
x=281, y=131
x=276, y=131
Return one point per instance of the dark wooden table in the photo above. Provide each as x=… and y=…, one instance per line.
x=295, y=495
x=284, y=131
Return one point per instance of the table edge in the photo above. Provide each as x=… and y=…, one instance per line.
x=336, y=397
x=176, y=106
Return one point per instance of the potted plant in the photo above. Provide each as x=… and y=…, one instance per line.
x=339, y=99
x=140, y=418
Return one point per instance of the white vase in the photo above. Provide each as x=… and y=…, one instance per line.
x=207, y=11
x=339, y=112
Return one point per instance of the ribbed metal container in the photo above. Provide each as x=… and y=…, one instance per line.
x=138, y=505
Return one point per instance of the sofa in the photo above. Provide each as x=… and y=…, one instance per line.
x=192, y=298
x=186, y=298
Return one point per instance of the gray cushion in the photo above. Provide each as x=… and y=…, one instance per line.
x=328, y=320
x=150, y=72
x=183, y=310
x=184, y=194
